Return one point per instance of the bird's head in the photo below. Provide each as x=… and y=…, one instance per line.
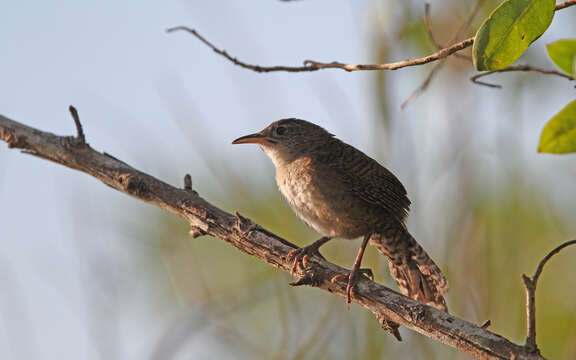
x=287, y=139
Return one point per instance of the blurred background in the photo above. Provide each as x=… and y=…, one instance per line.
x=89, y=273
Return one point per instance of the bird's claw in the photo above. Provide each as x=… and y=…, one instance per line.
x=352, y=280
x=301, y=255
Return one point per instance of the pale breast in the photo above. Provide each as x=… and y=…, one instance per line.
x=307, y=196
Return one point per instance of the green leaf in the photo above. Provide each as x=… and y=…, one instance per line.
x=509, y=30
x=559, y=135
x=563, y=54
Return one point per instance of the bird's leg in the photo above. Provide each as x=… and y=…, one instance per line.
x=301, y=254
x=353, y=277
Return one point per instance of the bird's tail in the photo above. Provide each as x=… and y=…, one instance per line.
x=415, y=272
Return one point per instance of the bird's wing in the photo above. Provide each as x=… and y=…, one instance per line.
x=369, y=180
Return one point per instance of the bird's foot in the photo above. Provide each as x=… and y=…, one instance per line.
x=301, y=255
x=352, y=277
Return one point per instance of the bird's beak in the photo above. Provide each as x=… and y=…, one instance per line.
x=252, y=139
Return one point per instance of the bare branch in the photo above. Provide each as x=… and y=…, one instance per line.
x=475, y=78
x=311, y=65
x=257, y=68
x=387, y=305
x=530, y=285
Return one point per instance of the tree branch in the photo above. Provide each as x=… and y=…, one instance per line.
x=312, y=65
x=530, y=285
x=475, y=78
x=250, y=238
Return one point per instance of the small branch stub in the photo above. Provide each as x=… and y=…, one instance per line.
x=196, y=232
x=79, y=131
x=188, y=182
x=486, y=324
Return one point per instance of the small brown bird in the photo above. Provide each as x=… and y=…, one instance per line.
x=341, y=192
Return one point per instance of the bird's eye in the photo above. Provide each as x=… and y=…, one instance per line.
x=280, y=130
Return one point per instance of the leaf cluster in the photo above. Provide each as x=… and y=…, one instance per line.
x=504, y=37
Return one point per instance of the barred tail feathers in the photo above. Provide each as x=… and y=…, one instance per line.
x=415, y=272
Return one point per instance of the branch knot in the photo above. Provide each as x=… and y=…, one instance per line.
x=135, y=186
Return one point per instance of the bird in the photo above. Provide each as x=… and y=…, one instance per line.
x=343, y=193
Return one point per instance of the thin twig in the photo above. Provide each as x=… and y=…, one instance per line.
x=433, y=40
x=547, y=257
x=428, y=25
x=420, y=89
x=530, y=285
x=440, y=54
x=79, y=131
x=438, y=66
x=240, y=63
x=312, y=65
x=466, y=23
x=475, y=78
